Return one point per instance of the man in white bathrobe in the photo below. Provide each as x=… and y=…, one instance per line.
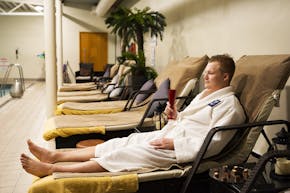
x=178, y=142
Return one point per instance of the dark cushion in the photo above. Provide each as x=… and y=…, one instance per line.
x=162, y=92
x=107, y=73
x=149, y=85
x=86, y=69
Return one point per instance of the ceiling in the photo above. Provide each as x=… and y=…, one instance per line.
x=31, y=7
x=88, y=2
x=81, y=4
x=21, y=7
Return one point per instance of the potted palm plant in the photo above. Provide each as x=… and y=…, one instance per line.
x=132, y=25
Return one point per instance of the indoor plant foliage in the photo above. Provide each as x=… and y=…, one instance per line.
x=133, y=24
x=118, y=21
x=139, y=68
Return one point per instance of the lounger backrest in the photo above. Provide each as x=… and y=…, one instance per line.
x=180, y=73
x=86, y=69
x=183, y=71
x=114, y=70
x=258, y=79
x=107, y=71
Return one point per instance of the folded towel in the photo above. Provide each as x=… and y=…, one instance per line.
x=75, y=108
x=68, y=125
x=106, y=184
x=86, y=112
x=68, y=131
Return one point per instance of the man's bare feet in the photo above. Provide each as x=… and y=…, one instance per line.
x=40, y=153
x=35, y=167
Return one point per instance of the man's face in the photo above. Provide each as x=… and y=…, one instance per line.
x=214, y=78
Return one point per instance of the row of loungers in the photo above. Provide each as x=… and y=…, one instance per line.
x=181, y=73
x=257, y=82
x=90, y=92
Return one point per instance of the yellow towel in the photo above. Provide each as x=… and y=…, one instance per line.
x=115, y=184
x=64, y=111
x=66, y=131
x=58, y=111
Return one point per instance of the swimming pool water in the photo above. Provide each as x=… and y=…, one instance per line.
x=4, y=89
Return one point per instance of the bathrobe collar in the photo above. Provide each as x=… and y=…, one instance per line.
x=219, y=94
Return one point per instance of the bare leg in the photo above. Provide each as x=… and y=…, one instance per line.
x=47, y=156
x=41, y=169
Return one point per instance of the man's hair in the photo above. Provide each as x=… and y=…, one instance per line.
x=227, y=64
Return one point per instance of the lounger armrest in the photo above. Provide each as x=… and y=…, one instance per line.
x=260, y=166
x=130, y=106
x=120, y=86
x=182, y=97
x=137, y=106
x=98, y=73
x=150, y=91
x=138, y=128
x=148, y=108
x=211, y=134
x=106, y=86
x=103, y=79
x=133, y=96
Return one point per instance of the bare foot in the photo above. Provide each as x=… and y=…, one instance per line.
x=40, y=153
x=35, y=167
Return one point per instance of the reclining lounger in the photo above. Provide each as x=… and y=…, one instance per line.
x=72, y=89
x=258, y=98
x=93, y=94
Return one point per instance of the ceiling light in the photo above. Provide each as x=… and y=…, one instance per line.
x=38, y=8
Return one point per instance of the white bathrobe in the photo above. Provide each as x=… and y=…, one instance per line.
x=188, y=133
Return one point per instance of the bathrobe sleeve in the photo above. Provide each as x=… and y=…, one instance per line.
x=229, y=111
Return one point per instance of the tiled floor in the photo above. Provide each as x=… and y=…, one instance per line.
x=20, y=119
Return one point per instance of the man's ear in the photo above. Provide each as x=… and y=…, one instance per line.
x=226, y=77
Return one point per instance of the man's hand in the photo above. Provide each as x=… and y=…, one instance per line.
x=171, y=111
x=163, y=143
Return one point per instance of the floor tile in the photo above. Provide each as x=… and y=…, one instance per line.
x=8, y=189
